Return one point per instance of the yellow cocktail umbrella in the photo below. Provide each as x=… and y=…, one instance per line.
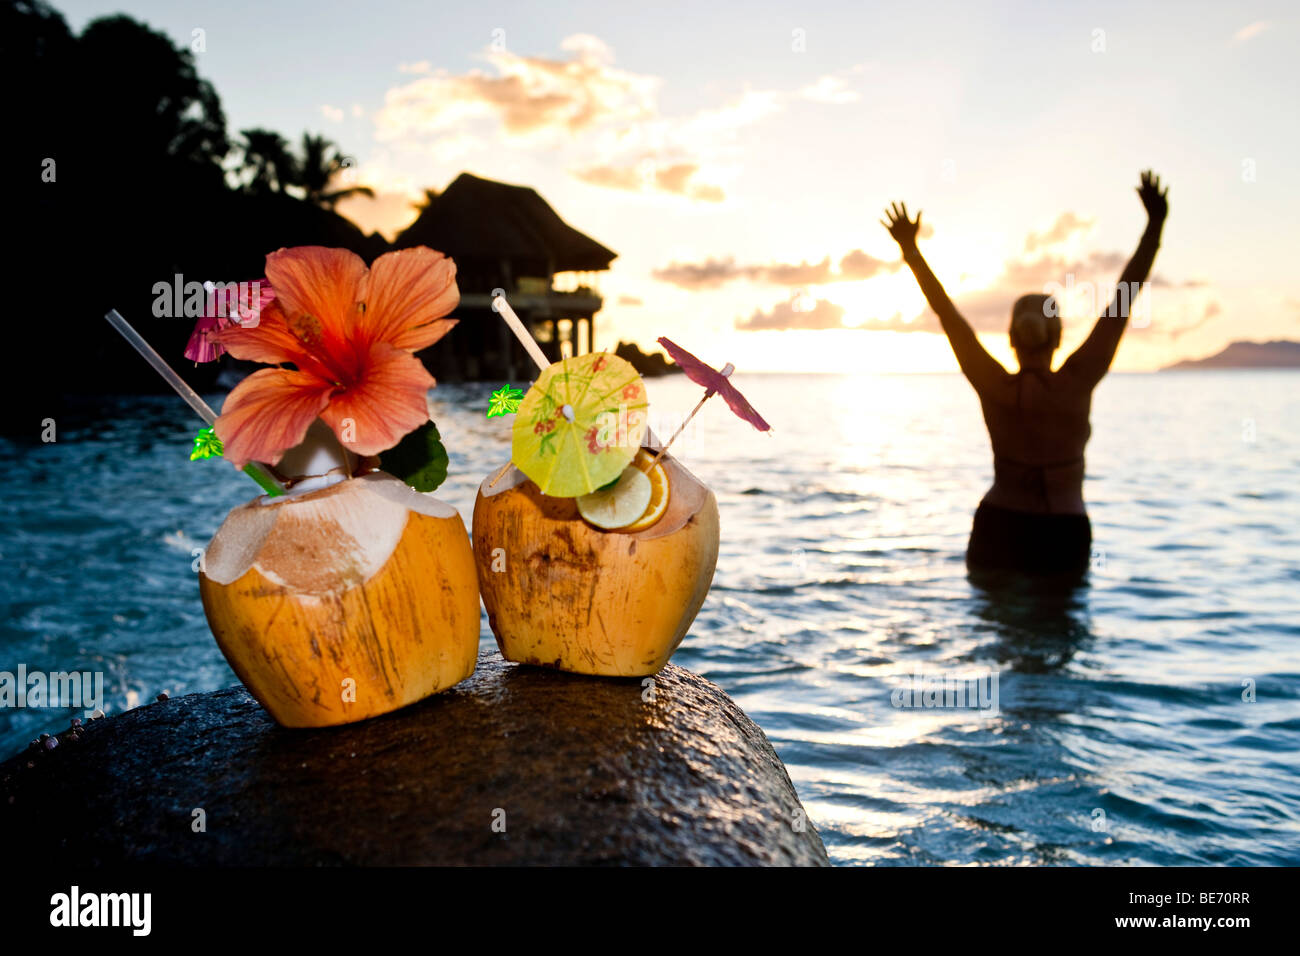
x=580, y=424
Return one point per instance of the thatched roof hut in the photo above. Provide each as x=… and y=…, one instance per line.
x=482, y=221
x=507, y=237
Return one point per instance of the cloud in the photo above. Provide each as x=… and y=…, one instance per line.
x=1092, y=277
x=858, y=265
x=1251, y=30
x=701, y=275
x=829, y=89
x=588, y=47
x=578, y=103
x=332, y=113
x=924, y=322
x=711, y=125
x=1167, y=326
x=525, y=96
x=1104, y=261
x=1084, y=283
x=1212, y=310
x=1066, y=225
x=685, y=156
x=989, y=309
x=1160, y=281
x=630, y=300
x=797, y=312
x=792, y=274
x=676, y=179
x=711, y=273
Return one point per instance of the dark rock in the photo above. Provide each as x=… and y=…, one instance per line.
x=584, y=770
x=646, y=363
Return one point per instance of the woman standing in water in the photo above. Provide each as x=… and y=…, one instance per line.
x=1033, y=519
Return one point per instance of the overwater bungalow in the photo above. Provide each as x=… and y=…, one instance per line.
x=509, y=238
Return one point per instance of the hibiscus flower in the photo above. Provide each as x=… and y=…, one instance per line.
x=350, y=333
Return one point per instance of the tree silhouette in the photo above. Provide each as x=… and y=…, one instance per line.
x=429, y=196
x=37, y=54
x=140, y=99
x=118, y=169
x=267, y=164
x=322, y=161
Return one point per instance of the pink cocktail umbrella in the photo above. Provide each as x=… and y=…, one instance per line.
x=716, y=383
x=228, y=306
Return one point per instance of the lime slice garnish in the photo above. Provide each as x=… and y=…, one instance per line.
x=613, y=507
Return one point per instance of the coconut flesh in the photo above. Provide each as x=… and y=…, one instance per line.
x=328, y=534
x=318, y=461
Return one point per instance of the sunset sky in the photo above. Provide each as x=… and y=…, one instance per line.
x=738, y=160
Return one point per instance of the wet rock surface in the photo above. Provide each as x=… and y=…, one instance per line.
x=516, y=765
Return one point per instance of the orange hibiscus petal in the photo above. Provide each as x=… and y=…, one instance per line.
x=270, y=341
x=422, y=336
x=318, y=290
x=407, y=294
x=268, y=413
x=389, y=401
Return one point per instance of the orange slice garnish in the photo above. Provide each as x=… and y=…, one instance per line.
x=659, y=492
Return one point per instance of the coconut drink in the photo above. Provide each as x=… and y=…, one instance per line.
x=563, y=592
x=347, y=590
x=595, y=548
x=343, y=602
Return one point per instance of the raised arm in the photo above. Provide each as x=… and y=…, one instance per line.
x=981, y=369
x=1092, y=359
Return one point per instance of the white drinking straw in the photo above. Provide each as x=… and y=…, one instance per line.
x=192, y=398
x=502, y=308
x=255, y=470
x=530, y=345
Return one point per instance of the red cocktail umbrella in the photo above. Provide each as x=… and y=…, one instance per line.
x=716, y=382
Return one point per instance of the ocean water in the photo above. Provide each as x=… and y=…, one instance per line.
x=1151, y=717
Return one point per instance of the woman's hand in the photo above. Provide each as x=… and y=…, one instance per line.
x=1153, y=198
x=900, y=227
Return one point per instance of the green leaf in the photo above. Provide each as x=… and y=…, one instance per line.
x=419, y=459
x=504, y=401
x=206, y=445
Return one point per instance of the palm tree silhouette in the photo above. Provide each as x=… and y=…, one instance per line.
x=267, y=163
x=320, y=163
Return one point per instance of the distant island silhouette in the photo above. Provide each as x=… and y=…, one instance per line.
x=1281, y=353
x=646, y=363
